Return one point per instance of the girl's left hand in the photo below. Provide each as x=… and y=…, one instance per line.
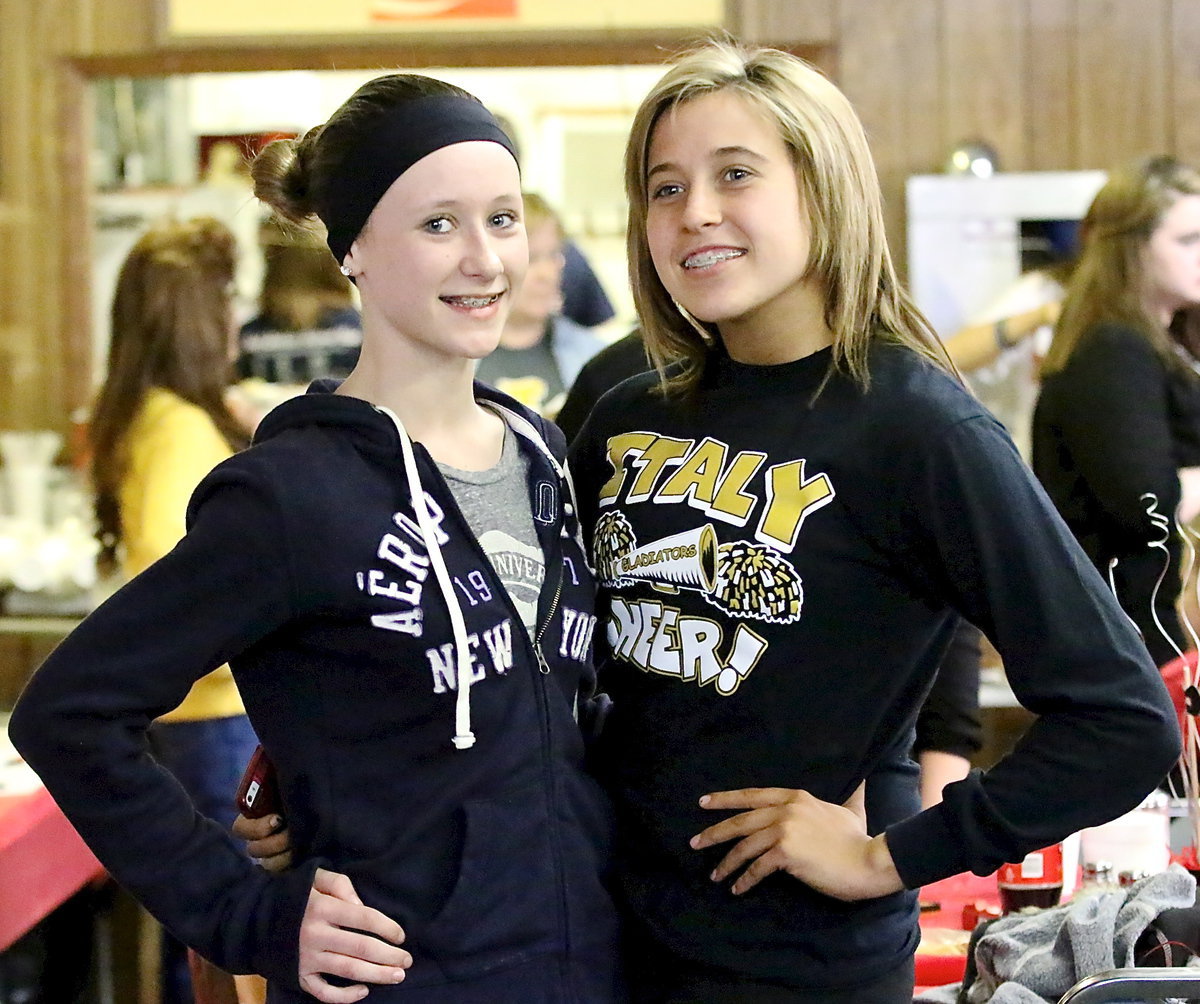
x=268, y=841
x=820, y=843
x=339, y=936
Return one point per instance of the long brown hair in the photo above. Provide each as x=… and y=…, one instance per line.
x=838, y=186
x=301, y=281
x=1109, y=282
x=171, y=328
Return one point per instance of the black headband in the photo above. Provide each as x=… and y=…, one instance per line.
x=413, y=129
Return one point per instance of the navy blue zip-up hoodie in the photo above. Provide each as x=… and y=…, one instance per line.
x=307, y=568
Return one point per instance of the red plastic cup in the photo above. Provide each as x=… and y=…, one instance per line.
x=1035, y=881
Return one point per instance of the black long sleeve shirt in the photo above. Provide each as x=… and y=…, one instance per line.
x=1110, y=432
x=780, y=581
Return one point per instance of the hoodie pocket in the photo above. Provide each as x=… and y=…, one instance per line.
x=506, y=902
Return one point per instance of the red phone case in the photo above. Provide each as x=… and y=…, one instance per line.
x=258, y=792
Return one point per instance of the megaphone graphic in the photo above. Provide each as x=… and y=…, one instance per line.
x=683, y=559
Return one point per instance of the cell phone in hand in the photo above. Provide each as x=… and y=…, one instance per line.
x=258, y=791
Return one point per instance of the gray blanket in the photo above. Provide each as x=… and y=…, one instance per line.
x=1031, y=958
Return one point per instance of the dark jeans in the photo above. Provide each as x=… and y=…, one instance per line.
x=669, y=979
x=208, y=757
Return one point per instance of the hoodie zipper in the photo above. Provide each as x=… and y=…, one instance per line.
x=555, y=554
x=543, y=626
x=554, y=558
x=541, y=632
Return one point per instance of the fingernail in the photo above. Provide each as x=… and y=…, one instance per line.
x=276, y=822
x=694, y=842
x=704, y=800
x=715, y=876
x=397, y=975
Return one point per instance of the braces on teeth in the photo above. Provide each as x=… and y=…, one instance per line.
x=710, y=258
x=474, y=301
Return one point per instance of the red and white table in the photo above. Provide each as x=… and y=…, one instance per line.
x=43, y=862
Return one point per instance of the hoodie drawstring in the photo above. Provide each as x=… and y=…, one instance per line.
x=464, y=738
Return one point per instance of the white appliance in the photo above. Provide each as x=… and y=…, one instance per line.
x=966, y=234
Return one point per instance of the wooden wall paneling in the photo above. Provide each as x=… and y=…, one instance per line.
x=13, y=127
x=771, y=22
x=984, y=75
x=1184, y=80
x=18, y=112
x=31, y=253
x=890, y=66
x=1123, y=50
x=350, y=53
x=75, y=343
x=39, y=361
x=1052, y=84
x=43, y=215
x=13, y=110
x=57, y=225
x=118, y=26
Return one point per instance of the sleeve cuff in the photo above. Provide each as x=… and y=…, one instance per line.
x=924, y=849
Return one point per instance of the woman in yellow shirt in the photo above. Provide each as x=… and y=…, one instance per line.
x=160, y=424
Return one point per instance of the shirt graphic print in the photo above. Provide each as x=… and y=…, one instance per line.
x=748, y=580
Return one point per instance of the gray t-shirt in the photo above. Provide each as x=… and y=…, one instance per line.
x=531, y=375
x=496, y=505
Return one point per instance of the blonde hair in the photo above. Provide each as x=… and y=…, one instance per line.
x=838, y=185
x=539, y=211
x=1110, y=281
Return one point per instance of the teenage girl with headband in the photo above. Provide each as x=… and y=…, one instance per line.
x=393, y=573
x=786, y=526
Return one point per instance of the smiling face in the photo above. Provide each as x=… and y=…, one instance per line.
x=1172, y=260
x=727, y=231
x=444, y=251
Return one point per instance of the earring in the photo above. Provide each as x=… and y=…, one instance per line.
x=345, y=270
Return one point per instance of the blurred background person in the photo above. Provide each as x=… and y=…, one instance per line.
x=224, y=193
x=615, y=362
x=159, y=425
x=1001, y=350
x=307, y=325
x=1116, y=430
x=584, y=299
x=999, y=354
x=541, y=349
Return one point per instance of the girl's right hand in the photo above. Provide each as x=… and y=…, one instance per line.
x=336, y=940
